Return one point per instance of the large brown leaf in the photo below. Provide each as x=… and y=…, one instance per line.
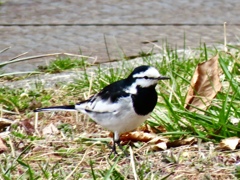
x=205, y=84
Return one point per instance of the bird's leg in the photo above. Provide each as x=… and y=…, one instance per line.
x=121, y=147
x=116, y=140
x=113, y=148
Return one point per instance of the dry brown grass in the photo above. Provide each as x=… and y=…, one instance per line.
x=70, y=151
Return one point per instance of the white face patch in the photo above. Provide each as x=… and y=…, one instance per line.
x=144, y=83
x=151, y=78
x=151, y=73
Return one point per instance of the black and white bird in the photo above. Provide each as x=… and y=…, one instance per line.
x=123, y=105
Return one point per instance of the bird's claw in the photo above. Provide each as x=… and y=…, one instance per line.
x=114, y=148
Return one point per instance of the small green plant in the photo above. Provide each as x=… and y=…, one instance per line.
x=237, y=171
x=21, y=100
x=97, y=80
x=63, y=63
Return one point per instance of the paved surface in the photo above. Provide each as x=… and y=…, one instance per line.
x=50, y=26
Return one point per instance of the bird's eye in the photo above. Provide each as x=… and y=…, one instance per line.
x=145, y=77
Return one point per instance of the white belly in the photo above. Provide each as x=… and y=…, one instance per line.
x=122, y=120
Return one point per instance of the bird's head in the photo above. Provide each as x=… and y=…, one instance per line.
x=146, y=76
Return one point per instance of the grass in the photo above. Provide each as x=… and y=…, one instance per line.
x=63, y=63
x=79, y=150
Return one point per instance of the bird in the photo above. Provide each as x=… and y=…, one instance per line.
x=122, y=106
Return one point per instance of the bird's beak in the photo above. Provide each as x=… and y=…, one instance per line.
x=163, y=78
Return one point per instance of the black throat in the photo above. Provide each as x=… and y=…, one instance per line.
x=145, y=100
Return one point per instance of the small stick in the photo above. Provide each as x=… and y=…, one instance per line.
x=225, y=36
x=1, y=112
x=133, y=164
x=12, y=147
x=1, y=51
x=36, y=123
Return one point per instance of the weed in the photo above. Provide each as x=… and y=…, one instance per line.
x=63, y=63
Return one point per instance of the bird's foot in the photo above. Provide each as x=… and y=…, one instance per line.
x=114, y=148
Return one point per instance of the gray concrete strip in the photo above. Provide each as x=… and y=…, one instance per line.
x=115, y=11
x=199, y=20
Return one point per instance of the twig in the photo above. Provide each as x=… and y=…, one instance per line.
x=53, y=54
x=89, y=94
x=12, y=147
x=18, y=56
x=17, y=73
x=5, y=49
x=1, y=111
x=105, y=42
x=133, y=164
x=41, y=56
x=36, y=123
x=225, y=36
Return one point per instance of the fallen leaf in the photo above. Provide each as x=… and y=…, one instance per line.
x=229, y=143
x=4, y=123
x=182, y=142
x=142, y=137
x=35, y=104
x=3, y=147
x=145, y=128
x=151, y=129
x=4, y=134
x=159, y=146
x=54, y=158
x=28, y=127
x=205, y=84
x=50, y=130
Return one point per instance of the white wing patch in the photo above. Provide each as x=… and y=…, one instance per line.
x=99, y=106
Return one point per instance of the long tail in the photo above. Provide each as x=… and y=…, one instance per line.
x=57, y=108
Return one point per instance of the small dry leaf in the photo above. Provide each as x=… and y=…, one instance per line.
x=35, y=104
x=4, y=123
x=229, y=143
x=50, y=130
x=4, y=134
x=159, y=146
x=3, y=147
x=143, y=137
x=182, y=142
x=150, y=129
x=205, y=84
x=145, y=128
x=54, y=158
x=28, y=127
